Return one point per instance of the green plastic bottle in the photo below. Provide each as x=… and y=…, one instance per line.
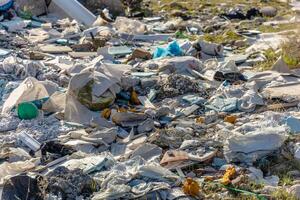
x=27, y=110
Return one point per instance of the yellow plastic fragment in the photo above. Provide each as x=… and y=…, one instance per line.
x=230, y=119
x=134, y=98
x=191, y=187
x=200, y=120
x=228, y=176
x=122, y=110
x=106, y=113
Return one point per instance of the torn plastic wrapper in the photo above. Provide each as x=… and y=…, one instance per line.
x=106, y=80
x=173, y=49
x=11, y=169
x=254, y=145
x=173, y=159
x=208, y=48
x=29, y=90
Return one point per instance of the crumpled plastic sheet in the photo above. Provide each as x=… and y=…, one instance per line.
x=6, y=89
x=173, y=49
x=10, y=169
x=106, y=76
x=247, y=99
x=258, y=176
x=42, y=129
x=21, y=69
x=254, y=145
x=223, y=104
x=130, y=179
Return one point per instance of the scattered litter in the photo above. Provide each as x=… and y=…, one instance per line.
x=136, y=99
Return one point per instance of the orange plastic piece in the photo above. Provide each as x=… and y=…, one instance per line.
x=132, y=110
x=106, y=113
x=191, y=187
x=230, y=119
x=228, y=176
x=200, y=120
x=122, y=110
x=134, y=98
x=209, y=178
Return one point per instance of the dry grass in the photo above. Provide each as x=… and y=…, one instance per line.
x=192, y=6
x=291, y=51
x=278, y=28
x=225, y=38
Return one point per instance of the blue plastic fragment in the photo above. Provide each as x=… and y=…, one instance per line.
x=173, y=49
x=294, y=124
x=6, y=5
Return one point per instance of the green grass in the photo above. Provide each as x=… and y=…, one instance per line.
x=225, y=38
x=184, y=35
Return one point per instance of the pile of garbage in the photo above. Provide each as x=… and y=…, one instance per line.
x=128, y=105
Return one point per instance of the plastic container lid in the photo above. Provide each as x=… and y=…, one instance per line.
x=27, y=110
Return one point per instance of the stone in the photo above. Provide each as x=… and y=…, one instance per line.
x=240, y=43
x=163, y=111
x=269, y=11
x=294, y=173
x=129, y=82
x=146, y=126
x=141, y=54
x=148, y=82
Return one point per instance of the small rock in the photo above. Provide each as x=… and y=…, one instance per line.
x=150, y=112
x=129, y=81
x=218, y=162
x=148, y=82
x=269, y=11
x=141, y=54
x=240, y=43
x=146, y=126
x=294, y=173
x=163, y=111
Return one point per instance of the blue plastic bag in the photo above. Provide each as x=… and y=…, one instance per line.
x=6, y=4
x=173, y=49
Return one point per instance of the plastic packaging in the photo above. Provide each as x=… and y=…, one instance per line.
x=173, y=49
x=6, y=4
